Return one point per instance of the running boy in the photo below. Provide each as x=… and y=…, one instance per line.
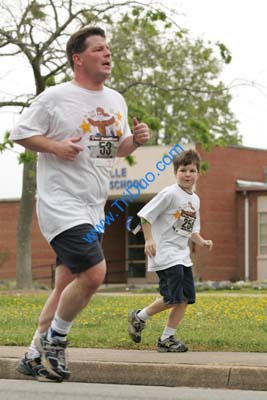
x=168, y=221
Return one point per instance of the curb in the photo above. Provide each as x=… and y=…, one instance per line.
x=147, y=374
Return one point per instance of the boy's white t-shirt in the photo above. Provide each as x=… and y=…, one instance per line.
x=74, y=192
x=174, y=216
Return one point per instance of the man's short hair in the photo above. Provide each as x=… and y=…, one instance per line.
x=186, y=158
x=76, y=43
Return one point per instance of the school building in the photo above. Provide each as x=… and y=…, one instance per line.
x=233, y=194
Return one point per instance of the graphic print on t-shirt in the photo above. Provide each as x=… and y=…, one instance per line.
x=104, y=131
x=185, y=218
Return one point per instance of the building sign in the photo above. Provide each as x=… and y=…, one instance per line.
x=119, y=179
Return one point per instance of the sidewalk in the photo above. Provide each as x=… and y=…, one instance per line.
x=142, y=367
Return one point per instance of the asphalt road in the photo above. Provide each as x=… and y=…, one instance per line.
x=32, y=390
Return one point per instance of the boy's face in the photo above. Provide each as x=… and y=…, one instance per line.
x=187, y=176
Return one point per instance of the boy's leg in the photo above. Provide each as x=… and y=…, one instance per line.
x=176, y=314
x=167, y=338
x=138, y=318
x=178, y=289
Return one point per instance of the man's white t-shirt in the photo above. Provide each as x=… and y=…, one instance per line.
x=74, y=192
x=174, y=216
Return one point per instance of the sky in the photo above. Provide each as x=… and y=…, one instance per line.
x=239, y=24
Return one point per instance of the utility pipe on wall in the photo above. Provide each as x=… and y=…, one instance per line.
x=246, y=208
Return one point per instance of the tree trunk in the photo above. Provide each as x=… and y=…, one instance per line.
x=27, y=205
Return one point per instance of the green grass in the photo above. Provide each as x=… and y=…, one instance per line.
x=217, y=322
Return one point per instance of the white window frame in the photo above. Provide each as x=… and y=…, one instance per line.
x=260, y=244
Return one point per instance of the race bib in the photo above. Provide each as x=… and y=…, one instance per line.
x=103, y=149
x=185, y=224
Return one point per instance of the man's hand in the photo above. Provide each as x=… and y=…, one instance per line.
x=68, y=149
x=140, y=131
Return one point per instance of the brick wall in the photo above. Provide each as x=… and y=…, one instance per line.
x=114, y=249
x=222, y=220
x=222, y=211
x=42, y=255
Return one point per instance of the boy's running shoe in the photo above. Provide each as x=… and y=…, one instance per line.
x=53, y=356
x=34, y=367
x=171, y=345
x=135, y=326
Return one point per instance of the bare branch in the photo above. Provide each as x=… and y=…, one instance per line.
x=10, y=54
x=55, y=13
x=23, y=17
x=8, y=10
x=170, y=89
x=14, y=103
x=98, y=10
x=56, y=71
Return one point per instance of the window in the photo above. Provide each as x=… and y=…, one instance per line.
x=135, y=248
x=263, y=233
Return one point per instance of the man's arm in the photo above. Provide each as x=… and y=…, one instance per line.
x=66, y=150
x=140, y=136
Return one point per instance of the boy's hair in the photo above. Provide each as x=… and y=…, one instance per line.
x=186, y=158
x=76, y=43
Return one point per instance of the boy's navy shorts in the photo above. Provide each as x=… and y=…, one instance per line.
x=176, y=285
x=74, y=252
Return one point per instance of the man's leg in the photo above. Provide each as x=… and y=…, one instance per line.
x=63, y=278
x=31, y=364
x=73, y=299
x=79, y=292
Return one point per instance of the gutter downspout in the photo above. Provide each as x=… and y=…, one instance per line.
x=246, y=217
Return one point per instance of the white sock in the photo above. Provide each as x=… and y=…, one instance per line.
x=167, y=333
x=143, y=315
x=32, y=351
x=59, y=328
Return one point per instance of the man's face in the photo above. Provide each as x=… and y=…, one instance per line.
x=95, y=60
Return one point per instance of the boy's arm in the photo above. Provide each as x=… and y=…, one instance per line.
x=198, y=239
x=150, y=245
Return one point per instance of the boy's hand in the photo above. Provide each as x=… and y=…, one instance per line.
x=150, y=248
x=208, y=243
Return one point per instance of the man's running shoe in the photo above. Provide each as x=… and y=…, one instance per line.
x=34, y=367
x=171, y=345
x=53, y=356
x=135, y=326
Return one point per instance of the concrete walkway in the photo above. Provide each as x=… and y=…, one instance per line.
x=142, y=367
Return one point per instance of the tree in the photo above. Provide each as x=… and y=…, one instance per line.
x=38, y=31
x=172, y=81
x=168, y=80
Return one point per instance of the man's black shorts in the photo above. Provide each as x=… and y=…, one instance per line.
x=74, y=252
x=176, y=284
